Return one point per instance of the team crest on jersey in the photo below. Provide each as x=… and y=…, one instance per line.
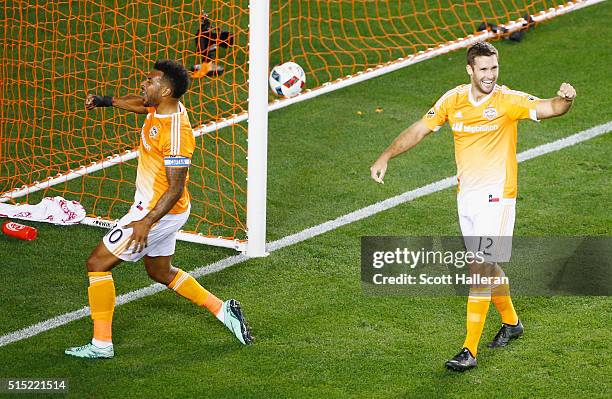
x=430, y=114
x=489, y=113
x=153, y=132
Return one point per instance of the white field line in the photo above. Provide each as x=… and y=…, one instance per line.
x=304, y=234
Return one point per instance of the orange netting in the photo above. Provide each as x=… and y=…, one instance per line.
x=55, y=52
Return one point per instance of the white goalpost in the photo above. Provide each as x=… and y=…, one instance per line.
x=258, y=127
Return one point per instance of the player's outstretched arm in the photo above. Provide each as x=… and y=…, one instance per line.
x=140, y=228
x=558, y=105
x=402, y=143
x=131, y=102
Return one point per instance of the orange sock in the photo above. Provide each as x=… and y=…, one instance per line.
x=504, y=305
x=477, y=308
x=101, y=293
x=500, y=296
x=188, y=287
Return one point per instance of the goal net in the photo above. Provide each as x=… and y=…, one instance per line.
x=56, y=52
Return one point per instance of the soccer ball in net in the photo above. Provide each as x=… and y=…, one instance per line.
x=287, y=79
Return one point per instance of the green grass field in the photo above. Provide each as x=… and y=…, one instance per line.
x=317, y=334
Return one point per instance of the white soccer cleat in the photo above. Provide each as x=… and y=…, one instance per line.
x=235, y=321
x=90, y=351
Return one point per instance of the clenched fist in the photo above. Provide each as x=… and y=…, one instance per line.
x=567, y=92
x=92, y=101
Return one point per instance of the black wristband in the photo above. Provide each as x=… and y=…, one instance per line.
x=103, y=101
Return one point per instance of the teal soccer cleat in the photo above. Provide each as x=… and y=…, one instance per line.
x=90, y=351
x=235, y=321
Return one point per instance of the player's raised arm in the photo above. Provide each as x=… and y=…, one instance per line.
x=558, y=105
x=402, y=143
x=131, y=102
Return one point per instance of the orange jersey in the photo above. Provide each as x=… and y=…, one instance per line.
x=485, y=134
x=165, y=141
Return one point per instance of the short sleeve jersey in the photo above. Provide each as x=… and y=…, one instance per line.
x=485, y=135
x=165, y=141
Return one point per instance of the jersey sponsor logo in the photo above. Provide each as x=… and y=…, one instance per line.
x=489, y=113
x=430, y=114
x=153, y=132
x=531, y=98
x=176, y=161
x=459, y=115
x=461, y=127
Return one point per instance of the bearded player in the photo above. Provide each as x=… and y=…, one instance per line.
x=483, y=117
x=161, y=206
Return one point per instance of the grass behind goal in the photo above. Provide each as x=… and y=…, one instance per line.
x=317, y=335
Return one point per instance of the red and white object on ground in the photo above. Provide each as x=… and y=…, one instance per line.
x=55, y=210
x=19, y=231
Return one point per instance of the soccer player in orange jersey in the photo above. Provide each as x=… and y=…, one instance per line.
x=483, y=117
x=161, y=206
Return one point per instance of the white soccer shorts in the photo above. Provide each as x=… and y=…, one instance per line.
x=160, y=242
x=487, y=224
